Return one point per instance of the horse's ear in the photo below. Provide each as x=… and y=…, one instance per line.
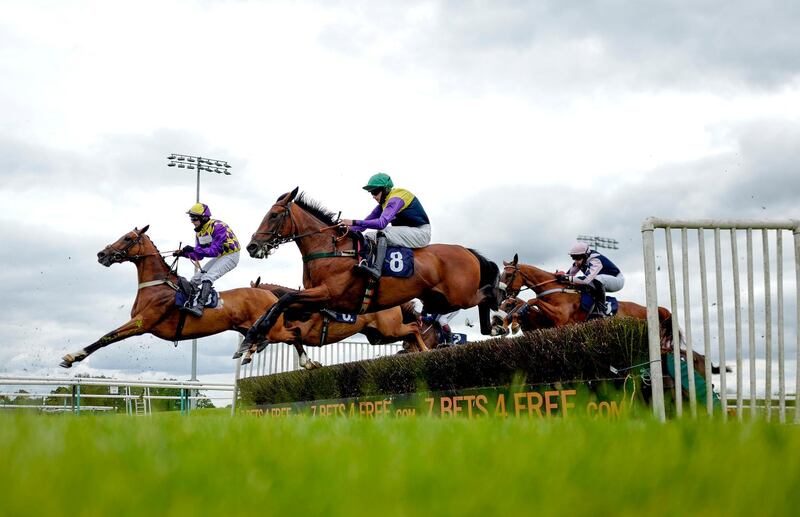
x=516, y=259
x=293, y=193
x=144, y=229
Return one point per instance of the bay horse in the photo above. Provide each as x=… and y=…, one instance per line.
x=382, y=327
x=522, y=315
x=560, y=304
x=446, y=277
x=154, y=310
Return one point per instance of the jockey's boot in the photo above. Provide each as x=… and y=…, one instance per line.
x=200, y=302
x=447, y=334
x=374, y=268
x=599, y=295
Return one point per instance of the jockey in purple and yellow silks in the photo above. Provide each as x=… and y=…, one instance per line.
x=410, y=226
x=214, y=240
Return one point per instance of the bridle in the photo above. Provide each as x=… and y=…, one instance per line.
x=275, y=239
x=513, y=276
x=118, y=255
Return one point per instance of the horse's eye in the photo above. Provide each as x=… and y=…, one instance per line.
x=127, y=238
x=272, y=216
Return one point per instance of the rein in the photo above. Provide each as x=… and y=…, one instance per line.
x=276, y=240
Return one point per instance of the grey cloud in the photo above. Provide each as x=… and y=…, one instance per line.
x=596, y=45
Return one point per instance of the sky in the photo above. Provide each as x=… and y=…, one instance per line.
x=519, y=125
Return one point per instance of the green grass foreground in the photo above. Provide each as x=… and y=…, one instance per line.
x=212, y=464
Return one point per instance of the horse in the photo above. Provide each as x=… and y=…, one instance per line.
x=382, y=327
x=561, y=306
x=154, y=310
x=446, y=277
x=522, y=315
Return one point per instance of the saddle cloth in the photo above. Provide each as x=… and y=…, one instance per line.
x=187, y=292
x=339, y=317
x=398, y=263
x=587, y=303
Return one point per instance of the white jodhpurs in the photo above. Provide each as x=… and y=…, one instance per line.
x=612, y=283
x=215, y=268
x=406, y=236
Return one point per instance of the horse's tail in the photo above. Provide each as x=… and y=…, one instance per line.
x=489, y=279
x=409, y=311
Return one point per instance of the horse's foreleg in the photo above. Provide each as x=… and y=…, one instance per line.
x=134, y=327
x=420, y=342
x=266, y=322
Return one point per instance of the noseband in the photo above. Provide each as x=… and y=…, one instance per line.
x=120, y=255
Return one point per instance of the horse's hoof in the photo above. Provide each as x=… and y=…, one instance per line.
x=237, y=355
x=65, y=364
x=261, y=346
x=246, y=360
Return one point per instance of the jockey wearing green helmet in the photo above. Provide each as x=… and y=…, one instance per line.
x=410, y=226
x=214, y=240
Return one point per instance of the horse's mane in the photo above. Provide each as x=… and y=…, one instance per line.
x=316, y=209
x=163, y=260
x=277, y=290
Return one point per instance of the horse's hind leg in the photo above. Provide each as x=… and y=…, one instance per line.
x=134, y=327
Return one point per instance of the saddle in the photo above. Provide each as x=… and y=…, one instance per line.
x=589, y=305
x=187, y=292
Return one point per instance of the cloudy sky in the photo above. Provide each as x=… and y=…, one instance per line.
x=518, y=124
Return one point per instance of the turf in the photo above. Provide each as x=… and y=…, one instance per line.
x=212, y=464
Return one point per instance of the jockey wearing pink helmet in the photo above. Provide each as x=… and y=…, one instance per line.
x=595, y=271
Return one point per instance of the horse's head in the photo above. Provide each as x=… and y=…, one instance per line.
x=127, y=247
x=510, y=303
x=277, y=227
x=510, y=279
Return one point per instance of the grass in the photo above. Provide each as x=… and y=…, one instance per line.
x=211, y=464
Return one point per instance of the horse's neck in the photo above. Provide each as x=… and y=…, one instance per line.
x=535, y=278
x=317, y=241
x=151, y=266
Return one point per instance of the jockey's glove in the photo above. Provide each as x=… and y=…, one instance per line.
x=187, y=249
x=564, y=279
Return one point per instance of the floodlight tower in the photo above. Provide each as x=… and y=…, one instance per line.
x=599, y=242
x=184, y=161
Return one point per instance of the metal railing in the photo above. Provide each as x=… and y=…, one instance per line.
x=132, y=407
x=727, y=272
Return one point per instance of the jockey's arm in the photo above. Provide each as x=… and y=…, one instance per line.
x=214, y=249
x=594, y=268
x=379, y=219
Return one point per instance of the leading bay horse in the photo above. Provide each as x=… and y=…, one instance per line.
x=560, y=304
x=446, y=277
x=154, y=310
x=382, y=327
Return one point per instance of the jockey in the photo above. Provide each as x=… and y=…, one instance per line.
x=595, y=271
x=215, y=240
x=410, y=226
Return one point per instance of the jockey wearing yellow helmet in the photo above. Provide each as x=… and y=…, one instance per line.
x=214, y=240
x=410, y=226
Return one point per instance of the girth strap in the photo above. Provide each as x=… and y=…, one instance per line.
x=559, y=290
x=151, y=283
x=324, y=335
x=369, y=293
x=330, y=254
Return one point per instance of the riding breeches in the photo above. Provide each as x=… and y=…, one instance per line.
x=611, y=283
x=215, y=268
x=406, y=236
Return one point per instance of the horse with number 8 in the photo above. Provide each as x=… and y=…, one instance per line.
x=446, y=277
